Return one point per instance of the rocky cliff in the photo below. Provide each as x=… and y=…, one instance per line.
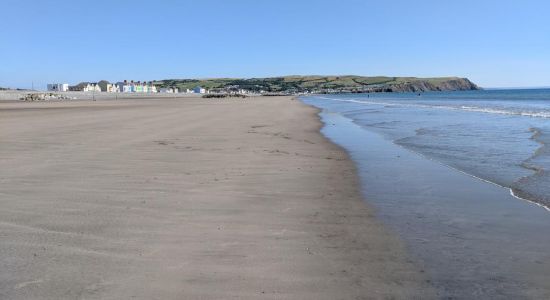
x=454, y=84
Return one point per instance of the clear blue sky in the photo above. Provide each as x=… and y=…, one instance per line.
x=494, y=43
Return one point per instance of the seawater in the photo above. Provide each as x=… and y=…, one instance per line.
x=473, y=239
x=500, y=136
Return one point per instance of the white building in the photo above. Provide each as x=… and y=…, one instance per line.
x=112, y=88
x=169, y=90
x=58, y=87
x=85, y=87
x=199, y=90
x=92, y=87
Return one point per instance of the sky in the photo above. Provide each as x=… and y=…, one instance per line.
x=493, y=43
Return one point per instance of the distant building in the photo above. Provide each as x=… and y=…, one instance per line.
x=172, y=90
x=136, y=87
x=108, y=87
x=112, y=88
x=58, y=87
x=92, y=87
x=199, y=90
x=85, y=87
x=125, y=87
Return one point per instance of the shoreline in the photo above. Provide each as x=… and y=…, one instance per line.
x=513, y=191
x=461, y=230
x=165, y=199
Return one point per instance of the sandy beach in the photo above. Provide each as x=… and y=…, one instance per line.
x=18, y=95
x=187, y=199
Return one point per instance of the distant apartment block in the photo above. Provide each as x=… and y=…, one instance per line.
x=136, y=87
x=58, y=87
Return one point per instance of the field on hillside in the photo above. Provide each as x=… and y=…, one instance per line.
x=300, y=83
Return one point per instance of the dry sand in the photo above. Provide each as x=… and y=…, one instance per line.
x=16, y=95
x=187, y=199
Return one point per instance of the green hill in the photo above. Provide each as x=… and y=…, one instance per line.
x=324, y=84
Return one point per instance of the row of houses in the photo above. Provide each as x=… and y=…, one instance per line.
x=131, y=87
x=85, y=87
x=119, y=87
x=81, y=87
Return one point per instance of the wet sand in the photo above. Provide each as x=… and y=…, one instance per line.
x=187, y=199
x=472, y=238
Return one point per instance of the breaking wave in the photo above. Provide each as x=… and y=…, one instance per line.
x=501, y=111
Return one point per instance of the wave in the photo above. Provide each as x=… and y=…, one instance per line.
x=488, y=110
x=518, y=189
x=523, y=187
x=514, y=192
x=534, y=114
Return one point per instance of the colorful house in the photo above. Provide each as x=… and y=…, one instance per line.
x=136, y=87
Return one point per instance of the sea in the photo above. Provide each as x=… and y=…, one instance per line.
x=463, y=178
x=501, y=136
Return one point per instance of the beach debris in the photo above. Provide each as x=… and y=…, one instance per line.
x=43, y=97
x=224, y=96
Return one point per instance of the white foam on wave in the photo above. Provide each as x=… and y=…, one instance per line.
x=533, y=114
x=532, y=202
x=547, y=208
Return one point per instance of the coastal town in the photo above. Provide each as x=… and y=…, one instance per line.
x=285, y=85
x=121, y=87
x=240, y=87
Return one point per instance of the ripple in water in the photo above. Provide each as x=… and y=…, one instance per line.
x=498, y=136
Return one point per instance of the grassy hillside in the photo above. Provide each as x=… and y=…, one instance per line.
x=293, y=84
